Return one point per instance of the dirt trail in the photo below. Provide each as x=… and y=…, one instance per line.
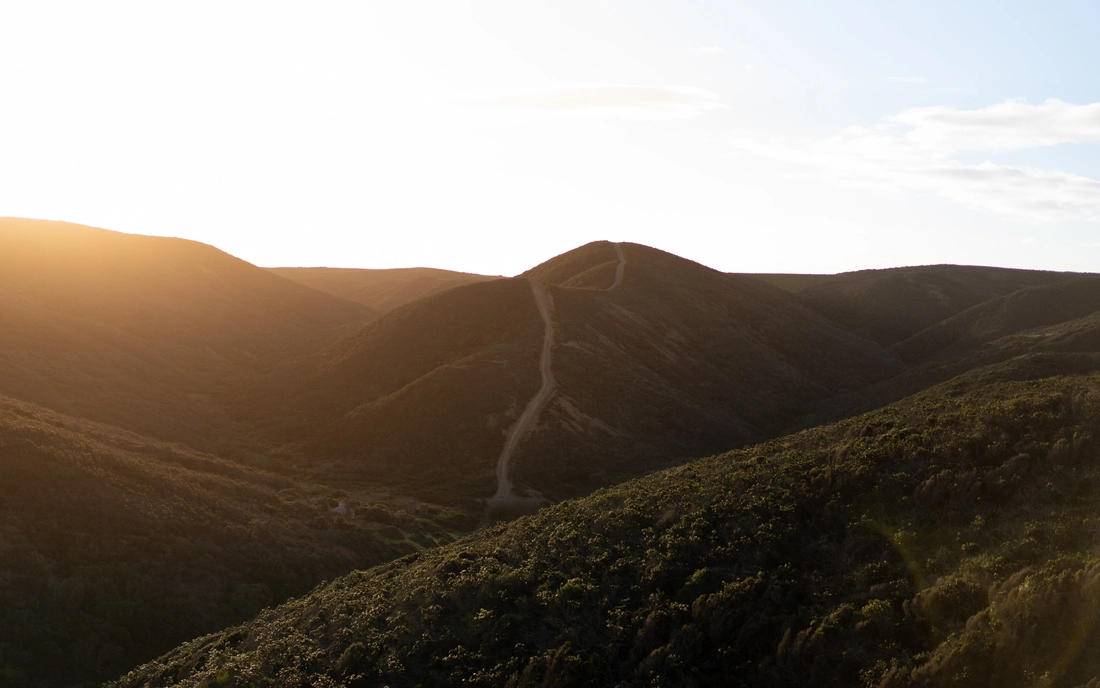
x=504, y=499
x=618, y=268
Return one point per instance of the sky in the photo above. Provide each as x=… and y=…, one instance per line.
x=489, y=135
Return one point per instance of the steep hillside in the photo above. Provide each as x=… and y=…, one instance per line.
x=1022, y=310
x=420, y=398
x=948, y=540
x=888, y=306
x=1059, y=321
x=115, y=547
x=678, y=361
x=144, y=332
x=381, y=290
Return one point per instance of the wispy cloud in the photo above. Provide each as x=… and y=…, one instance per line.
x=647, y=102
x=908, y=79
x=707, y=50
x=918, y=149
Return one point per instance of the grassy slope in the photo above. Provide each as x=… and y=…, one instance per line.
x=1060, y=319
x=888, y=306
x=679, y=361
x=115, y=547
x=1019, y=311
x=419, y=398
x=381, y=290
x=147, y=333
x=949, y=539
x=793, y=282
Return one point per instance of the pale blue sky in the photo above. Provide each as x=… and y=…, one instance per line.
x=490, y=135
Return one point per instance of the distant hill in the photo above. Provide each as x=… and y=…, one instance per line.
x=793, y=282
x=115, y=547
x=1019, y=311
x=678, y=361
x=147, y=333
x=946, y=540
x=381, y=290
x=887, y=306
x=1048, y=324
x=419, y=398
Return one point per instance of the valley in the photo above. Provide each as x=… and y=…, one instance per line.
x=619, y=463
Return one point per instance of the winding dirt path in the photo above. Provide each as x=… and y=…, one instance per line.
x=618, y=268
x=504, y=497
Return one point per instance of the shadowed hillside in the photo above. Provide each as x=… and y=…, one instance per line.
x=144, y=332
x=420, y=398
x=678, y=361
x=946, y=540
x=792, y=282
x=115, y=547
x=888, y=306
x=382, y=290
x=1058, y=321
x=1022, y=310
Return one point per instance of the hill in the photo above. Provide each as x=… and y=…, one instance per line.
x=418, y=399
x=946, y=540
x=115, y=547
x=677, y=361
x=793, y=282
x=147, y=333
x=1053, y=320
x=1021, y=310
x=381, y=290
x=887, y=306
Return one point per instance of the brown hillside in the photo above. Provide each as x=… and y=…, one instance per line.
x=148, y=333
x=420, y=397
x=888, y=306
x=679, y=361
x=1017, y=312
x=115, y=547
x=382, y=290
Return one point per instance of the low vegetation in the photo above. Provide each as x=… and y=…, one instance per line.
x=381, y=290
x=114, y=547
x=948, y=540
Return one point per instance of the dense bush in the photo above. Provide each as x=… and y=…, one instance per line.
x=114, y=548
x=945, y=540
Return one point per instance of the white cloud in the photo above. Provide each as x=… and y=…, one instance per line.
x=646, y=102
x=1011, y=125
x=708, y=50
x=918, y=150
x=908, y=79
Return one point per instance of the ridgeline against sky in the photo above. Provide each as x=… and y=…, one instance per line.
x=749, y=136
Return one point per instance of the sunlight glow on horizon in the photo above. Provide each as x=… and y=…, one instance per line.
x=487, y=136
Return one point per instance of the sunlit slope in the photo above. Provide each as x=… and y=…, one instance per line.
x=115, y=547
x=419, y=398
x=144, y=332
x=946, y=540
x=888, y=306
x=382, y=290
x=678, y=361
